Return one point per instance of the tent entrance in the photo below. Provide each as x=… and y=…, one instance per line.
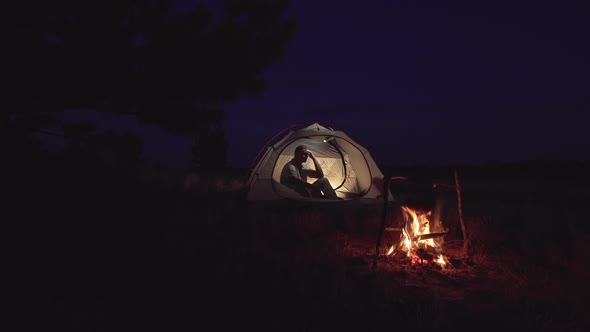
x=334, y=156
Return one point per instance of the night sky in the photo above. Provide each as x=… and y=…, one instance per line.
x=422, y=83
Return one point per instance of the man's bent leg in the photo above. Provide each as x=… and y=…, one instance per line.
x=323, y=186
x=303, y=191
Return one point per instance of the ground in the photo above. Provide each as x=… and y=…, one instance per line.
x=98, y=248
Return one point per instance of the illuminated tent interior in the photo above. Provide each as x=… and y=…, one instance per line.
x=346, y=164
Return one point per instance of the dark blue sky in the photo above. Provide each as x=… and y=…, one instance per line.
x=424, y=83
x=418, y=83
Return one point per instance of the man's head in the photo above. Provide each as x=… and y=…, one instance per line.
x=301, y=154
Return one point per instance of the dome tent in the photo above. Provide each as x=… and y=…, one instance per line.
x=348, y=166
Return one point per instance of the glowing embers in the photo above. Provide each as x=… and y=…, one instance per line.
x=419, y=241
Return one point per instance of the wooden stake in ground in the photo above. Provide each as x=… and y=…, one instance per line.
x=460, y=210
x=386, y=182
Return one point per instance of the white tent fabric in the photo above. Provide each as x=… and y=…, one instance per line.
x=347, y=165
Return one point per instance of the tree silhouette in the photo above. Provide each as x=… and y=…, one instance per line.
x=140, y=57
x=209, y=145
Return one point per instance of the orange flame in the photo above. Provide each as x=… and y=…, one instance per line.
x=417, y=224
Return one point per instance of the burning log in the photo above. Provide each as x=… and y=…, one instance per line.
x=421, y=256
x=424, y=255
x=418, y=237
x=429, y=236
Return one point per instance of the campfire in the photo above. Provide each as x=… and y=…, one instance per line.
x=421, y=240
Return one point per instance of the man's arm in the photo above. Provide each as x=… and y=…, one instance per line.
x=318, y=173
x=292, y=176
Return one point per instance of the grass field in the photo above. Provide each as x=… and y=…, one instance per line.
x=100, y=248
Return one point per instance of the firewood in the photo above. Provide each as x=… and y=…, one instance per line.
x=460, y=210
x=428, y=236
x=424, y=255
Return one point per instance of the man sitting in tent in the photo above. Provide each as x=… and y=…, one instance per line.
x=294, y=175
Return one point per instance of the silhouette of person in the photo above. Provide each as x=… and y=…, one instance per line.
x=295, y=174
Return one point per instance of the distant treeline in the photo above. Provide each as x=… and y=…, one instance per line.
x=577, y=170
x=529, y=169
